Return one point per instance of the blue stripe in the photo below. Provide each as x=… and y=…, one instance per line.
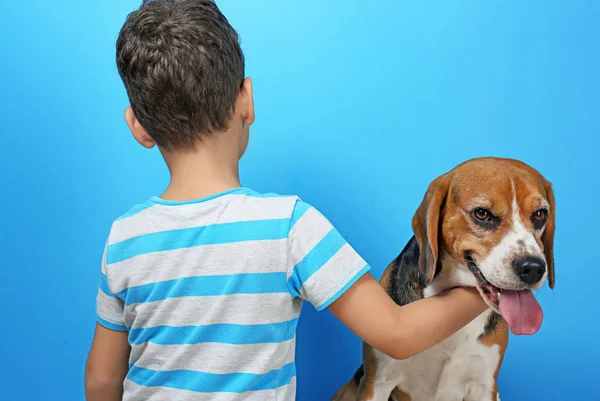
x=257, y=230
x=111, y=326
x=234, y=191
x=255, y=194
x=299, y=211
x=135, y=210
x=315, y=259
x=168, y=202
x=353, y=280
x=237, y=334
x=293, y=282
x=204, y=286
x=211, y=382
x=104, y=285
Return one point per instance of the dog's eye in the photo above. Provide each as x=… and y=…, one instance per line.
x=539, y=217
x=482, y=215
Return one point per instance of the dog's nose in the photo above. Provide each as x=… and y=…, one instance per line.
x=530, y=269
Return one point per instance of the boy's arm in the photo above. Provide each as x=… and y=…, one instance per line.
x=329, y=273
x=108, y=361
x=404, y=331
x=107, y=365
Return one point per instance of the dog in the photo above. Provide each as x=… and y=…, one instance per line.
x=488, y=223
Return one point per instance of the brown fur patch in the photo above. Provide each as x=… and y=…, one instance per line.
x=385, y=277
x=347, y=392
x=367, y=384
x=475, y=187
x=425, y=224
x=400, y=395
x=418, y=291
x=497, y=337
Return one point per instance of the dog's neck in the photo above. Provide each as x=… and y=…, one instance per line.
x=452, y=274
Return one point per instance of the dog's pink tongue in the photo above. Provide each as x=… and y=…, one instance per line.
x=521, y=311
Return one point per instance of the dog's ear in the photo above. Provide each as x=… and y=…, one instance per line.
x=426, y=223
x=548, y=235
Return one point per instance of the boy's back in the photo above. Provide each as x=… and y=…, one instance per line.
x=201, y=288
x=211, y=291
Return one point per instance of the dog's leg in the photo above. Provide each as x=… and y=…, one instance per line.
x=451, y=394
x=380, y=391
x=450, y=386
x=348, y=392
x=399, y=395
x=481, y=392
x=379, y=379
x=461, y=387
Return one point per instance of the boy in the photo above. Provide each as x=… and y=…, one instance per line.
x=201, y=288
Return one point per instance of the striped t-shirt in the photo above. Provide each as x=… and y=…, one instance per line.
x=210, y=292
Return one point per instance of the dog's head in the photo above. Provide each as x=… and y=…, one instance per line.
x=489, y=223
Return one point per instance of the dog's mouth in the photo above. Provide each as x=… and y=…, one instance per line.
x=490, y=292
x=519, y=308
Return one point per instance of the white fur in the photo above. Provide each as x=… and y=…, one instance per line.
x=452, y=274
x=495, y=267
x=459, y=368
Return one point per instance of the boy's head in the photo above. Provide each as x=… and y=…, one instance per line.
x=183, y=68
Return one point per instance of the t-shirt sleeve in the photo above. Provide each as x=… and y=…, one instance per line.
x=109, y=308
x=322, y=264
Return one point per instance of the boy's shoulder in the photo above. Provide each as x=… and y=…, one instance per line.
x=242, y=203
x=239, y=213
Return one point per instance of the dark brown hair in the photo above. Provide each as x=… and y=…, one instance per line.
x=182, y=66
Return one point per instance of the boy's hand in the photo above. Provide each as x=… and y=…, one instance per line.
x=107, y=365
x=404, y=331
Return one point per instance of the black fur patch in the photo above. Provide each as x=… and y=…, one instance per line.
x=360, y=372
x=406, y=280
x=491, y=325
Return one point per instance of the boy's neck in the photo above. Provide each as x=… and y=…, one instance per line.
x=210, y=168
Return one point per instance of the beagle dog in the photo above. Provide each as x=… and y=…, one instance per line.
x=488, y=223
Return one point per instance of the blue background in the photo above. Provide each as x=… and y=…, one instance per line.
x=359, y=106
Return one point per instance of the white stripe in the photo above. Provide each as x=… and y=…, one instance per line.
x=247, y=309
x=205, y=260
x=332, y=276
x=103, y=263
x=109, y=308
x=226, y=209
x=306, y=234
x=215, y=358
x=134, y=392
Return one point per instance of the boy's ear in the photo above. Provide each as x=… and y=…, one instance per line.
x=246, y=102
x=139, y=132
